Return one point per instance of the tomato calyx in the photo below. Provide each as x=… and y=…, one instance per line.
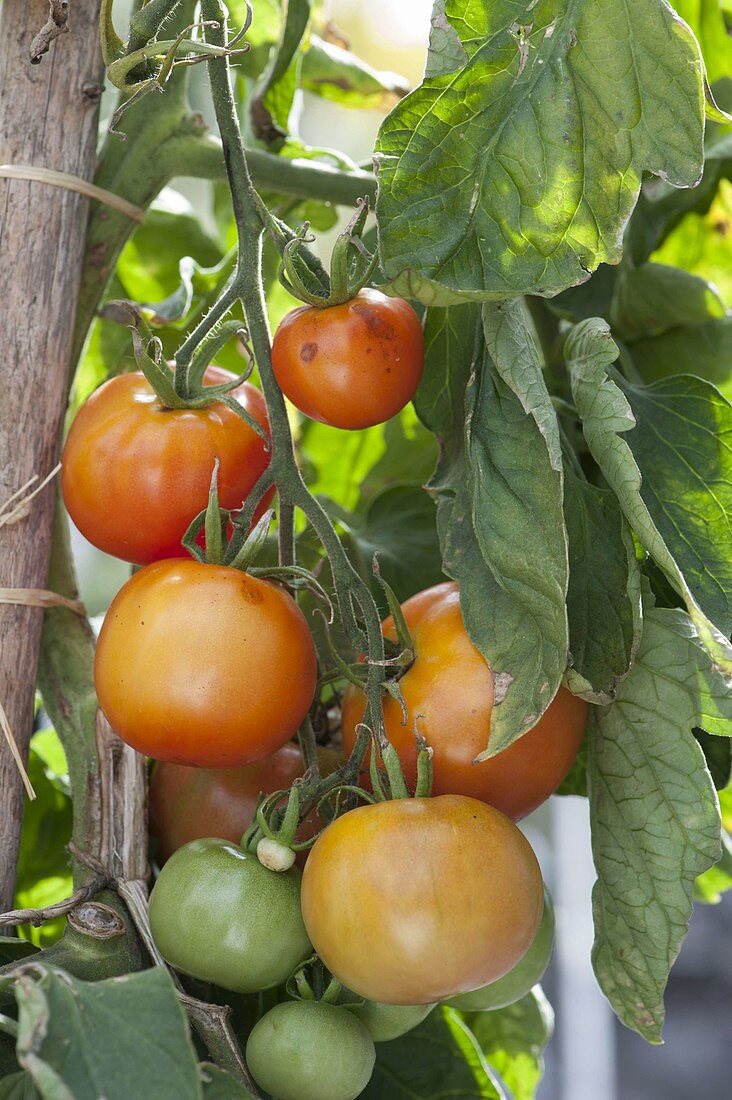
x=313, y=982
x=183, y=387
x=244, y=548
x=351, y=267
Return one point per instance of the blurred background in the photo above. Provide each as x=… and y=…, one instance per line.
x=591, y=1056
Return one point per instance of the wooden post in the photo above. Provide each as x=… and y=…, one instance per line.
x=48, y=118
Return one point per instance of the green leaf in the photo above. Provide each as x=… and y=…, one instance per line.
x=83, y=1040
x=352, y=467
x=498, y=487
x=441, y=1058
x=714, y=883
x=272, y=102
x=18, y=1086
x=44, y=876
x=718, y=755
x=607, y=419
x=700, y=243
x=398, y=526
x=653, y=812
x=707, y=22
x=653, y=298
x=704, y=350
x=513, y=1039
x=148, y=267
x=682, y=444
x=603, y=599
x=515, y=167
x=218, y=1085
x=338, y=75
x=576, y=781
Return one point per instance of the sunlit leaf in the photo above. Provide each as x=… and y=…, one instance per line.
x=515, y=167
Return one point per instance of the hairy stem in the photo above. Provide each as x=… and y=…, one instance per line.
x=352, y=592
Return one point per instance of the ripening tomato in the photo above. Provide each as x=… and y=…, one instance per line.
x=419, y=899
x=310, y=1050
x=135, y=474
x=352, y=365
x=218, y=915
x=189, y=803
x=521, y=978
x=203, y=664
x=449, y=691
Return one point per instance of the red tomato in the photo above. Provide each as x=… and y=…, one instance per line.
x=191, y=803
x=134, y=474
x=204, y=665
x=412, y=901
x=353, y=365
x=449, y=690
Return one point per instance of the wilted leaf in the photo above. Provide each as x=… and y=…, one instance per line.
x=654, y=813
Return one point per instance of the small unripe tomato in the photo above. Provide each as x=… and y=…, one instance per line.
x=416, y=900
x=203, y=664
x=521, y=979
x=187, y=803
x=386, y=1022
x=218, y=915
x=352, y=365
x=309, y=1050
x=448, y=691
x=134, y=474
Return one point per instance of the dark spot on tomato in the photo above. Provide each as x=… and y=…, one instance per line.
x=388, y=370
x=376, y=325
x=308, y=352
x=250, y=592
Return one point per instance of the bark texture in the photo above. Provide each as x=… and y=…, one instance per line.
x=48, y=118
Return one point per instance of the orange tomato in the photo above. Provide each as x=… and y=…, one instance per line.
x=352, y=365
x=135, y=474
x=191, y=803
x=412, y=901
x=204, y=665
x=449, y=692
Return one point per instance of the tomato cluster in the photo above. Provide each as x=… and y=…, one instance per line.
x=210, y=670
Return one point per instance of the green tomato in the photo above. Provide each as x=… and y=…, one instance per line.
x=309, y=1050
x=524, y=976
x=217, y=914
x=384, y=1022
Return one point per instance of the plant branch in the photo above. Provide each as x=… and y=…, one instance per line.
x=353, y=594
x=37, y=917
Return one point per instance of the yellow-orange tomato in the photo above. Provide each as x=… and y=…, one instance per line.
x=135, y=474
x=352, y=365
x=191, y=803
x=449, y=691
x=411, y=901
x=203, y=664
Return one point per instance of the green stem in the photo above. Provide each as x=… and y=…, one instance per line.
x=350, y=587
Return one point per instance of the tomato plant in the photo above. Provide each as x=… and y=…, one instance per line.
x=189, y=803
x=189, y=690
x=307, y=1050
x=136, y=473
x=370, y=908
x=493, y=422
x=449, y=697
x=351, y=365
x=217, y=914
